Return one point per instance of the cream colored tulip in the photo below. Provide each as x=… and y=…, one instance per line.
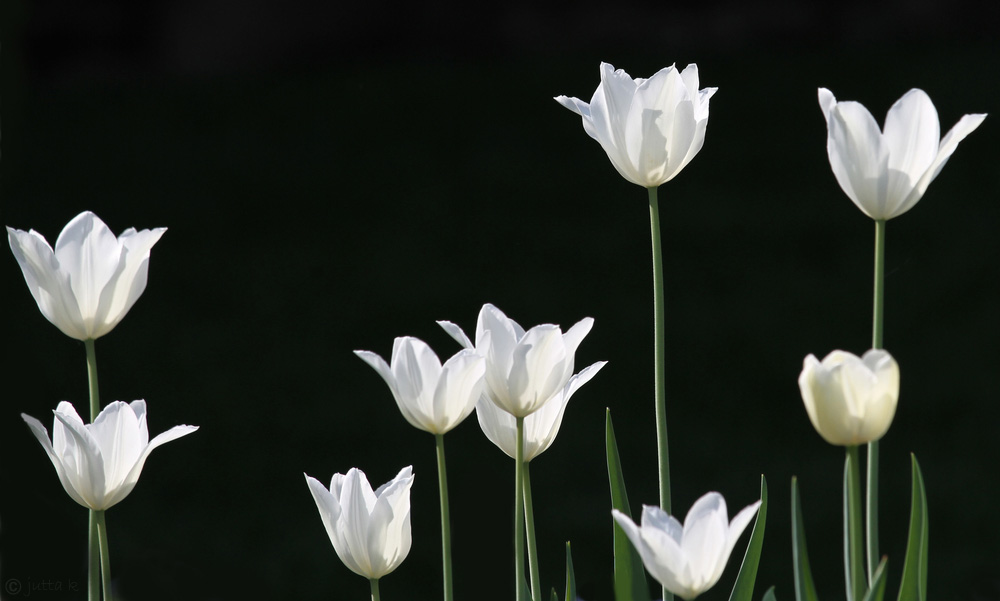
x=850, y=400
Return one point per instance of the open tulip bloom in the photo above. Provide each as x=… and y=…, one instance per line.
x=540, y=428
x=885, y=172
x=432, y=397
x=687, y=559
x=650, y=128
x=524, y=369
x=87, y=284
x=370, y=530
x=850, y=400
x=99, y=463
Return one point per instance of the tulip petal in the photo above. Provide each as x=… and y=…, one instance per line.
x=43, y=437
x=912, y=134
x=88, y=476
x=859, y=158
x=457, y=333
x=49, y=286
x=965, y=126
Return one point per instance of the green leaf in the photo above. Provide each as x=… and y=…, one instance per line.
x=526, y=590
x=630, y=576
x=914, y=584
x=570, y=576
x=854, y=544
x=743, y=589
x=877, y=591
x=554, y=596
x=769, y=595
x=805, y=590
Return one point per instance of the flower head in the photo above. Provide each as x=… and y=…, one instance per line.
x=687, y=560
x=432, y=397
x=370, y=530
x=850, y=400
x=650, y=128
x=524, y=369
x=91, y=280
x=885, y=172
x=540, y=428
x=99, y=463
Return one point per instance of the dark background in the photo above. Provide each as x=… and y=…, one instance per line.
x=334, y=175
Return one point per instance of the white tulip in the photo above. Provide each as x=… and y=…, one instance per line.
x=850, y=400
x=687, y=560
x=99, y=463
x=432, y=397
x=540, y=428
x=650, y=128
x=91, y=280
x=885, y=172
x=370, y=530
x=524, y=370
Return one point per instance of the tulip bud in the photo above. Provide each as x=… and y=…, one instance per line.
x=850, y=400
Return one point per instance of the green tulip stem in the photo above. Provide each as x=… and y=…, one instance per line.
x=529, y=522
x=871, y=509
x=93, y=560
x=659, y=359
x=94, y=567
x=374, y=583
x=445, y=518
x=853, y=536
x=519, y=512
x=102, y=529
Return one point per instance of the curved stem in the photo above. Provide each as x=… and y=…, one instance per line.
x=659, y=359
x=529, y=522
x=878, y=307
x=374, y=583
x=519, y=512
x=102, y=529
x=93, y=542
x=445, y=518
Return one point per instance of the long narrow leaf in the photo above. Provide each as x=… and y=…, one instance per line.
x=743, y=589
x=877, y=590
x=570, y=576
x=769, y=595
x=630, y=576
x=914, y=584
x=554, y=596
x=805, y=590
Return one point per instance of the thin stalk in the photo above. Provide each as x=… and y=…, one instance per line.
x=878, y=307
x=529, y=522
x=374, y=583
x=659, y=359
x=445, y=518
x=519, y=512
x=93, y=550
x=854, y=558
x=93, y=560
x=102, y=529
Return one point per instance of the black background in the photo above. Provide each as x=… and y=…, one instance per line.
x=335, y=175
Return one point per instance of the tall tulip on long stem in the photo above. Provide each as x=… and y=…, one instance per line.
x=885, y=172
x=650, y=129
x=434, y=398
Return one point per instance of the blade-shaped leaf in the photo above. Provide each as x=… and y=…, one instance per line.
x=877, y=591
x=805, y=590
x=554, y=596
x=743, y=589
x=570, y=576
x=630, y=576
x=914, y=584
x=769, y=595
